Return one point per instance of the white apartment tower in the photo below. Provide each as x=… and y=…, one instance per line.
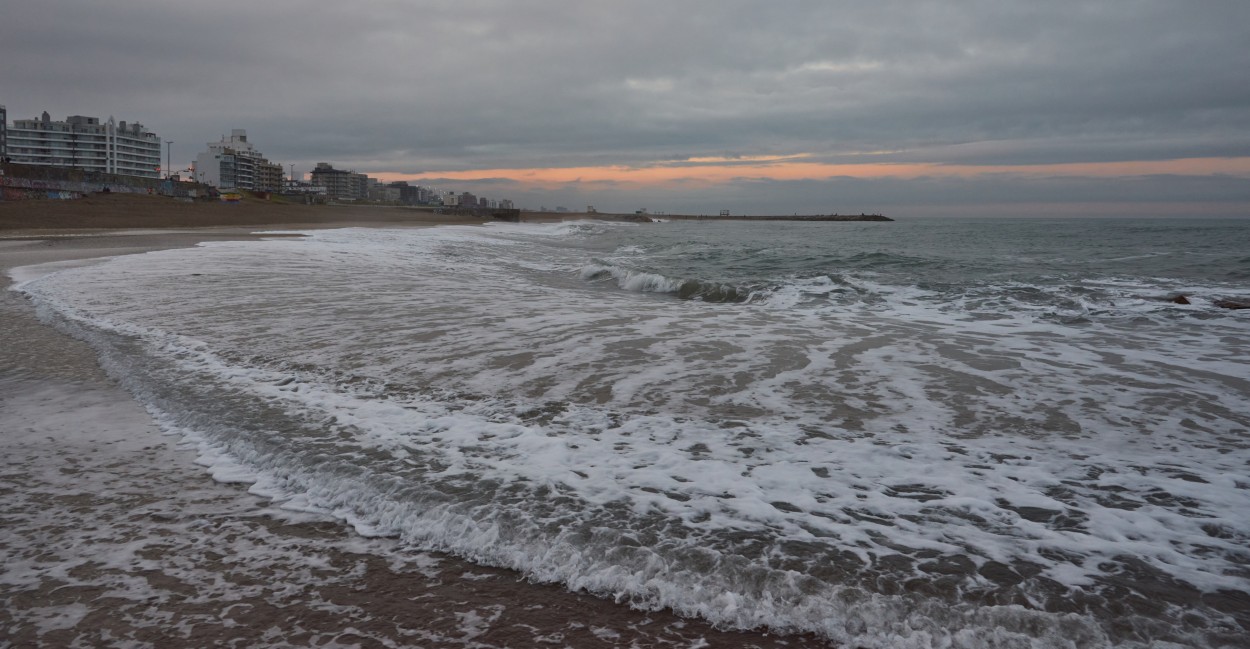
x=233, y=163
x=82, y=142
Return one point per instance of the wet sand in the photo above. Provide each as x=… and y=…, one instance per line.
x=113, y=535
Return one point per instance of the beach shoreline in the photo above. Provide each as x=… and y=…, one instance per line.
x=115, y=536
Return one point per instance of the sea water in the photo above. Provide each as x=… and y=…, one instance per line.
x=939, y=433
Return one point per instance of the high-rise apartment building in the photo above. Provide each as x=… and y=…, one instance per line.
x=340, y=183
x=233, y=163
x=82, y=142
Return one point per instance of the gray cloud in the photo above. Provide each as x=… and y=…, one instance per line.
x=408, y=86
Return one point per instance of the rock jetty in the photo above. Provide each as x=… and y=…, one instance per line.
x=795, y=217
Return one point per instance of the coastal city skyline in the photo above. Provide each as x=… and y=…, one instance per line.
x=230, y=165
x=915, y=109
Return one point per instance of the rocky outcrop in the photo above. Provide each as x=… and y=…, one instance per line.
x=1227, y=303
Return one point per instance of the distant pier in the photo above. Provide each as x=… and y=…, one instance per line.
x=795, y=217
x=644, y=217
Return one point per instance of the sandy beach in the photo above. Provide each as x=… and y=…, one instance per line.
x=139, y=211
x=114, y=536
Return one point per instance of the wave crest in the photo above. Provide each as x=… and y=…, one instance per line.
x=646, y=282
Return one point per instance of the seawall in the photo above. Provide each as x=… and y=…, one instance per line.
x=19, y=182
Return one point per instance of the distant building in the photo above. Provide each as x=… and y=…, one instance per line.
x=4, y=130
x=339, y=183
x=385, y=193
x=82, y=142
x=293, y=186
x=233, y=163
x=269, y=176
x=408, y=194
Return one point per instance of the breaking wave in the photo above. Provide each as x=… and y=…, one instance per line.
x=645, y=282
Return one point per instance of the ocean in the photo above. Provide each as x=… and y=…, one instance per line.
x=926, y=433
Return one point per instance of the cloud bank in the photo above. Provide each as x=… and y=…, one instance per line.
x=1011, y=93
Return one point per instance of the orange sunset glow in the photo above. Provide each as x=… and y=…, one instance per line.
x=715, y=170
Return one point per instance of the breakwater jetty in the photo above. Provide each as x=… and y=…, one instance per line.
x=643, y=217
x=795, y=217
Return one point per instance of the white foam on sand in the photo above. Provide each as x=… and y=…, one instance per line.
x=112, y=538
x=21, y=275
x=96, y=499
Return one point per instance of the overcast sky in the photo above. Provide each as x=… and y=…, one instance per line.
x=905, y=107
